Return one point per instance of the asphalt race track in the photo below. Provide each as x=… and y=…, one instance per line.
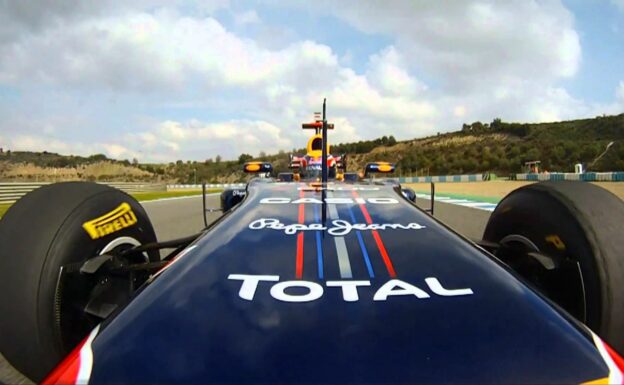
x=180, y=217
x=469, y=222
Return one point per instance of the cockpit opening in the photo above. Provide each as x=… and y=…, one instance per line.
x=317, y=144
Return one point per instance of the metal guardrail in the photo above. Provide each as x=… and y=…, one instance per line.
x=10, y=192
x=615, y=176
x=138, y=187
x=446, y=178
x=198, y=186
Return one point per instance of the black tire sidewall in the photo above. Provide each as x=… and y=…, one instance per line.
x=535, y=216
x=589, y=220
x=55, y=236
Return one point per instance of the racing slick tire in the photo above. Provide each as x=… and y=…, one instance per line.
x=576, y=223
x=49, y=228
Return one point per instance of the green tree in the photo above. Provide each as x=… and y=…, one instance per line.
x=477, y=127
x=496, y=125
x=244, y=158
x=96, y=157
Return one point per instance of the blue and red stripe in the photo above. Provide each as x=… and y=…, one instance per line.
x=299, y=260
x=380, y=245
x=319, y=245
x=367, y=261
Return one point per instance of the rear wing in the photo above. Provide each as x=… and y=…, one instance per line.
x=318, y=122
x=316, y=126
x=298, y=162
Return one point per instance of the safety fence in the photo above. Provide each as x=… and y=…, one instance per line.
x=448, y=178
x=10, y=192
x=208, y=186
x=617, y=176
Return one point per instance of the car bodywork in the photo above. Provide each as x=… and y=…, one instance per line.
x=336, y=282
x=384, y=293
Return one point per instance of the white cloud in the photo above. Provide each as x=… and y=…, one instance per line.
x=247, y=17
x=118, y=151
x=154, y=51
x=18, y=18
x=201, y=140
x=172, y=130
x=24, y=142
x=466, y=43
x=51, y=144
x=446, y=63
x=355, y=93
x=459, y=111
x=619, y=93
x=388, y=72
x=484, y=58
x=618, y=3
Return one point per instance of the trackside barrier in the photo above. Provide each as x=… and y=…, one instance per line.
x=617, y=176
x=198, y=186
x=10, y=192
x=446, y=178
x=139, y=187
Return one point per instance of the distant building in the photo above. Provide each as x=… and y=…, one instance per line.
x=532, y=167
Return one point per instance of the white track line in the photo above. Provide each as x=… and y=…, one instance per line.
x=487, y=206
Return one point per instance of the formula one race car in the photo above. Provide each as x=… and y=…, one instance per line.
x=308, y=278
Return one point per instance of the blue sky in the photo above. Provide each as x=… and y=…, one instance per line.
x=600, y=25
x=166, y=80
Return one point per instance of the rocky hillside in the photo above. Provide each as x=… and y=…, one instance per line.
x=498, y=147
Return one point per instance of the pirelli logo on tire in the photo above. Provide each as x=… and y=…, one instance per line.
x=116, y=220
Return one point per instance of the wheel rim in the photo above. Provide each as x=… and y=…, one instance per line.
x=562, y=283
x=122, y=242
x=75, y=292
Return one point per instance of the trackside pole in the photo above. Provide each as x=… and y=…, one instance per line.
x=204, y=203
x=432, y=196
x=324, y=148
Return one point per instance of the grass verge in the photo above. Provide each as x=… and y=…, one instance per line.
x=146, y=196
x=474, y=198
x=153, y=195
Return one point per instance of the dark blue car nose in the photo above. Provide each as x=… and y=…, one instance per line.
x=348, y=284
